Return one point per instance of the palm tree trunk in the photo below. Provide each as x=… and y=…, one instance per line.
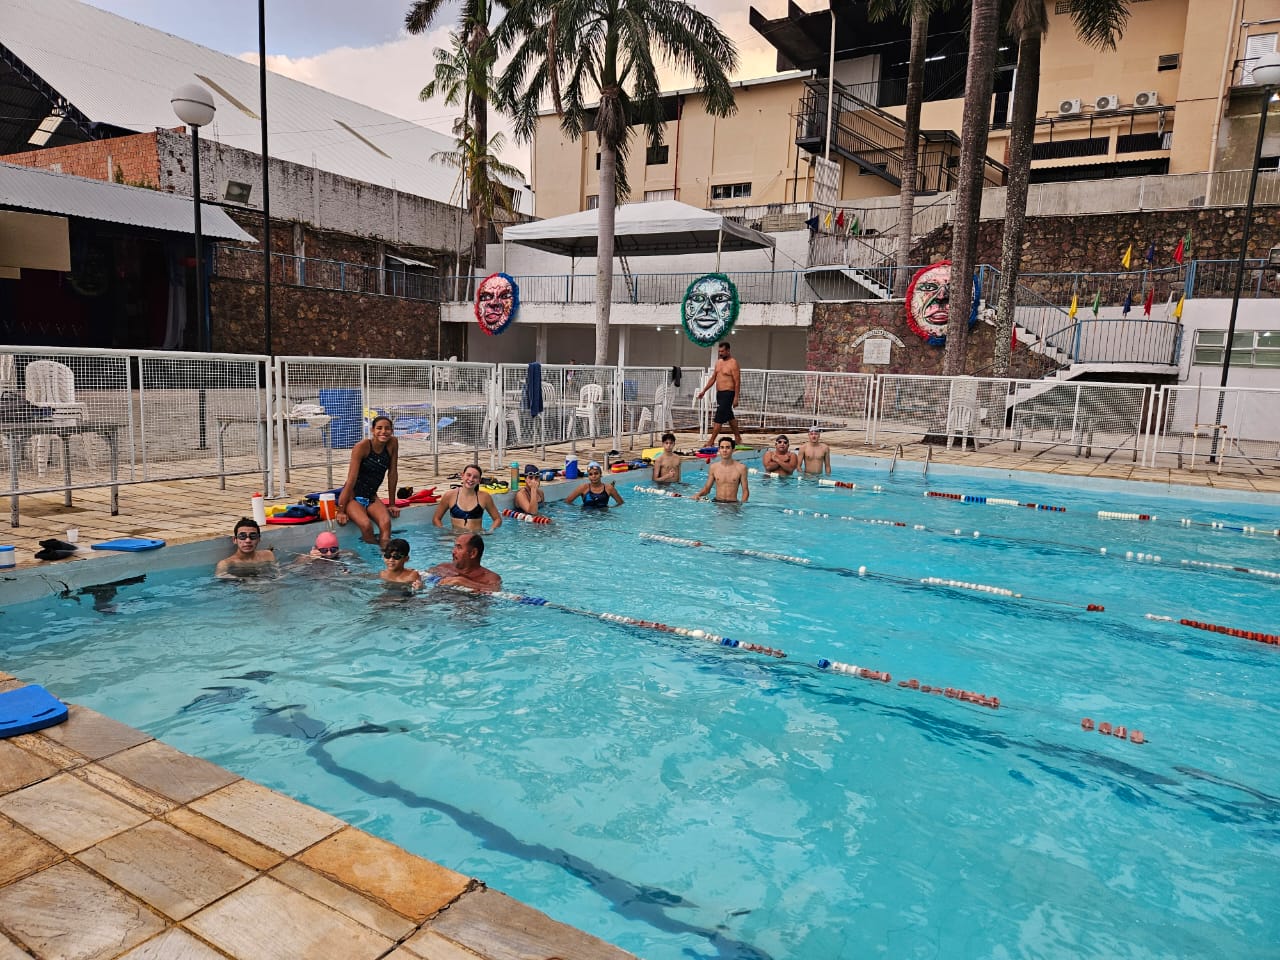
x=911, y=145
x=604, y=251
x=1021, y=135
x=984, y=32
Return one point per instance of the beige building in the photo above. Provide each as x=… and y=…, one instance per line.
x=1174, y=97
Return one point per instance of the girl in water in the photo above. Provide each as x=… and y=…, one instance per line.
x=595, y=493
x=372, y=460
x=467, y=505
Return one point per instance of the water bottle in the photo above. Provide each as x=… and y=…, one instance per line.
x=259, y=509
x=514, y=483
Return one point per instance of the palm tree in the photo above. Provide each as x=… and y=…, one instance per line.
x=984, y=30
x=468, y=73
x=482, y=168
x=577, y=51
x=1099, y=23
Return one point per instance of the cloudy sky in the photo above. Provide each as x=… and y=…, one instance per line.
x=360, y=50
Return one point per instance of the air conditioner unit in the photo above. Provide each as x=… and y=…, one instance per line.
x=1107, y=102
x=1069, y=108
x=1147, y=98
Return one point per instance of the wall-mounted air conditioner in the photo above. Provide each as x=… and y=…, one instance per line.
x=1147, y=98
x=1107, y=101
x=1069, y=108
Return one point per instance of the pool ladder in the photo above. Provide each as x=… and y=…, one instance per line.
x=928, y=458
x=894, y=462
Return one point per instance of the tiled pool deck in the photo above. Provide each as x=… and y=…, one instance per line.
x=115, y=845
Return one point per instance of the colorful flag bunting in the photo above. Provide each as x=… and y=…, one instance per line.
x=840, y=220
x=1177, y=311
x=1075, y=305
x=826, y=221
x=812, y=223
x=854, y=228
x=1151, y=253
x=1128, y=303
x=1146, y=304
x=1097, y=302
x=1128, y=257
x=1181, y=249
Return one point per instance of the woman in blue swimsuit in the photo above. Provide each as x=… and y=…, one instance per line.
x=595, y=493
x=467, y=505
x=372, y=460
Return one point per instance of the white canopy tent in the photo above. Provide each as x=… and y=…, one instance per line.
x=641, y=229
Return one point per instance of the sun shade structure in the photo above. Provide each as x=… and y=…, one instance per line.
x=641, y=230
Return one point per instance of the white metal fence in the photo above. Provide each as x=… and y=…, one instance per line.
x=72, y=419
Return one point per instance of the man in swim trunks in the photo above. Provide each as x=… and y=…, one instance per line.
x=780, y=461
x=815, y=455
x=727, y=376
x=248, y=558
x=727, y=475
x=465, y=570
x=666, y=465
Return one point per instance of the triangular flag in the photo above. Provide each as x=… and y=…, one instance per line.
x=826, y=221
x=1146, y=304
x=1151, y=253
x=854, y=228
x=1180, y=250
x=840, y=220
x=1128, y=303
x=1177, y=311
x=1075, y=305
x=812, y=223
x=1128, y=257
x=1097, y=302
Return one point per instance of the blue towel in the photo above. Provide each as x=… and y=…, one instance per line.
x=533, y=389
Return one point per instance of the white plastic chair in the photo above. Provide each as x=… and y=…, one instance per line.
x=663, y=400
x=588, y=398
x=506, y=416
x=53, y=385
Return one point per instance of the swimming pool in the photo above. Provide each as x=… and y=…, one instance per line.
x=683, y=799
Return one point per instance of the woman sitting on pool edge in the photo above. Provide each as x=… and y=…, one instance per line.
x=595, y=493
x=372, y=459
x=468, y=504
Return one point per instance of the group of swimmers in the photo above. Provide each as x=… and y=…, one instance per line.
x=376, y=458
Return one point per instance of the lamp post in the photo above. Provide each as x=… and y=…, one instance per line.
x=1266, y=74
x=194, y=106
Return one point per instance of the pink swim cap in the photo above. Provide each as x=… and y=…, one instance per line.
x=327, y=539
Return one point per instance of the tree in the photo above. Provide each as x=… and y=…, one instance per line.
x=467, y=71
x=576, y=51
x=984, y=31
x=1099, y=23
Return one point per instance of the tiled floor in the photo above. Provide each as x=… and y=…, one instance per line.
x=114, y=845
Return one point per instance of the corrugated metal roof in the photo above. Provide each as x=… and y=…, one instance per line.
x=28, y=188
x=123, y=73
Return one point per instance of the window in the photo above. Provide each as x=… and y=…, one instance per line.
x=1255, y=47
x=1249, y=348
x=656, y=156
x=1168, y=61
x=593, y=201
x=659, y=195
x=597, y=161
x=730, y=191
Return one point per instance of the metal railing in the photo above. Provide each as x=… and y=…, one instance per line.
x=240, y=263
x=1217, y=278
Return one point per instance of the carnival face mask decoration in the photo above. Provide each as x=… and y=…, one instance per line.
x=929, y=302
x=710, y=308
x=497, y=299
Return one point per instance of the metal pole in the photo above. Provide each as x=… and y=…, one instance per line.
x=831, y=83
x=266, y=189
x=1240, y=261
x=202, y=311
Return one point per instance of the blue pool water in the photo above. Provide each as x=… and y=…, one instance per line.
x=684, y=800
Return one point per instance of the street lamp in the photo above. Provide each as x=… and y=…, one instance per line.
x=1266, y=74
x=194, y=106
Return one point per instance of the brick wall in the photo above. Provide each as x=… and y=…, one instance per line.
x=131, y=159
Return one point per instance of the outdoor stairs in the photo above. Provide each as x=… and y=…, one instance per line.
x=869, y=283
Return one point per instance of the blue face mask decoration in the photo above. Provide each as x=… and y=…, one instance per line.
x=710, y=309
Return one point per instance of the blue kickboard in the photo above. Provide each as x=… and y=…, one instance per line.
x=131, y=544
x=29, y=708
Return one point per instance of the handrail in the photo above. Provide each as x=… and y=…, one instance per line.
x=928, y=456
x=894, y=462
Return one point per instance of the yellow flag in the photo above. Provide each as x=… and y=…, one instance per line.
x=1128, y=257
x=1177, y=311
x=827, y=220
x=1075, y=305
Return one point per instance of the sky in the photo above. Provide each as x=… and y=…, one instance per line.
x=361, y=50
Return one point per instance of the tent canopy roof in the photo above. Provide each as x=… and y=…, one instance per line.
x=640, y=230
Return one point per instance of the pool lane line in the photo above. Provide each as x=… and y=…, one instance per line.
x=864, y=573
x=822, y=663
x=1119, y=731
x=977, y=534
x=525, y=517
x=1261, y=637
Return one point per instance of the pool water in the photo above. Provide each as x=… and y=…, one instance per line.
x=685, y=800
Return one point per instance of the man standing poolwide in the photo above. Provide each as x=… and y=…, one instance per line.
x=727, y=376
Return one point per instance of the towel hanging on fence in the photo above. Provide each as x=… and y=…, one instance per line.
x=533, y=389
x=675, y=376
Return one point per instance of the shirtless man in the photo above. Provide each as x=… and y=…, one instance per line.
x=780, y=461
x=248, y=558
x=726, y=474
x=727, y=376
x=815, y=454
x=666, y=465
x=465, y=570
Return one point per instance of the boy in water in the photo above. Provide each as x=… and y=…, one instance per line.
x=395, y=556
x=248, y=557
x=727, y=475
x=666, y=465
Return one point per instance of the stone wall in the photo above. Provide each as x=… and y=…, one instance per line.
x=833, y=343
x=327, y=323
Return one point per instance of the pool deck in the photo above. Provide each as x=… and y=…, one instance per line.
x=116, y=845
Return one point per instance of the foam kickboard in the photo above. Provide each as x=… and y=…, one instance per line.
x=29, y=708
x=129, y=544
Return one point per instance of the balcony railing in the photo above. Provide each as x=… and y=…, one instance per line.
x=242, y=263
